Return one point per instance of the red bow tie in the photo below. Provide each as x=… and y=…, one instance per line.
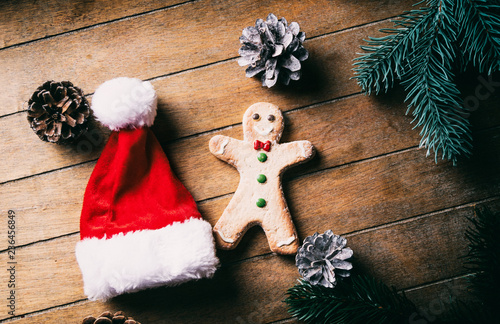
x=259, y=145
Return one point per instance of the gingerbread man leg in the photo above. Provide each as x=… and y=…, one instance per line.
x=279, y=229
x=233, y=223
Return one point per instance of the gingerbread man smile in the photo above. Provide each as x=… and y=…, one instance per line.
x=263, y=132
x=260, y=160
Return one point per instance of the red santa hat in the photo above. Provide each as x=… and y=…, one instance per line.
x=140, y=227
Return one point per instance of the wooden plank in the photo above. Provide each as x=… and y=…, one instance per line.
x=341, y=131
x=24, y=20
x=332, y=134
x=419, y=250
x=164, y=42
x=48, y=275
x=46, y=206
x=196, y=105
x=378, y=191
x=426, y=247
x=435, y=301
x=25, y=154
x=394, y=187
x=193, y=104
x=412, y=174
x=368, y=179
x=286, y=321
x=41, y=273
x=201, y=107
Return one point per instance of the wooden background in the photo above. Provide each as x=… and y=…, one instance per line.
x=403, y=215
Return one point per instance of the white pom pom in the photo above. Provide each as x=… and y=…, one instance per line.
x=125, y=103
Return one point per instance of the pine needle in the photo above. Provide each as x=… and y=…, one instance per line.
x=388, y=55
x=480, y=33
x=422, y=51
x=484, y=257
x=483, y=260
x=361, y=299
x=428, y=78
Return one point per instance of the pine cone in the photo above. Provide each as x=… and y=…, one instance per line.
x=275, y=48
x=321, y=256
x=58, y=112
x=110, y=318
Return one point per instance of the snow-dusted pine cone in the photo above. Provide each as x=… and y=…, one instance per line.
x=273, y=47
x=58, y=112
x=110, y=318
x=321, y=257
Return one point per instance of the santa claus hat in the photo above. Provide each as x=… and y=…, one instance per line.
x=140, y=227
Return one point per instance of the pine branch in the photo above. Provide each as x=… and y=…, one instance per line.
x=387, y=55
x=484, y=260
x=470, y=313
x=361, y=299
x=422, y=50
x=484, y=257
x=480, y=23
x=434, y=97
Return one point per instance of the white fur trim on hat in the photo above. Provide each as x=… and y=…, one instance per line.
x=145, y=259
x=125, y=103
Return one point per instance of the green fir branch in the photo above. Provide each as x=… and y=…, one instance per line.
x=386, y=56
x=480, y=33
x=423, y=50
x=361, y=299
x=483, y=260
x=484, y=257
x=432, y=93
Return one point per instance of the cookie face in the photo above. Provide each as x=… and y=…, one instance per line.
x=263, y=121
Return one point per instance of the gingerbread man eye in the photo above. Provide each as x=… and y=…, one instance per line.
x=256, y=117
x=271, y=118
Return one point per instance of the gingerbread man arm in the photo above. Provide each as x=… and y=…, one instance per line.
x=296, y=152
x=225, y=148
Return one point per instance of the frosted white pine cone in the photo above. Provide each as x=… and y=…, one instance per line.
x=274, y=48
x=321, y=257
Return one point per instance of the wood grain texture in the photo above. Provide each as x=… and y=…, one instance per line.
x=233, y=289
x=339, y=138
x=26, y=154
x=334, y=129
x=41, y=275
x=189, y=103
x=248, y=289
x=23, y=20
x=437, y=299
x=176, y=40
x=331, y=126
x=394, y=187
x=46, y=206
x=433, y=300
x=193, y=103
x=198, y=108
x=404, y=215
x=379, y=191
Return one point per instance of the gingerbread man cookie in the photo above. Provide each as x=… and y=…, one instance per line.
x=261, y=161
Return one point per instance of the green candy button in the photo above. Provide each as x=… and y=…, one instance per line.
x=261, y=178
x=261, y=203
x=262, y=157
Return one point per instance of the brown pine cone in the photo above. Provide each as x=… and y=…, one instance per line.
x=58, y=112
x=110, y=318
